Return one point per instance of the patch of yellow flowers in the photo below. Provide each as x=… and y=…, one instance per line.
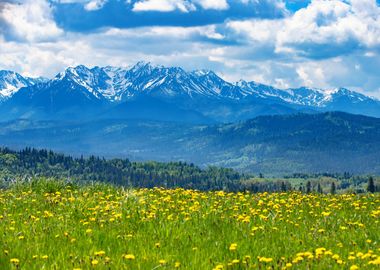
x=113, y=228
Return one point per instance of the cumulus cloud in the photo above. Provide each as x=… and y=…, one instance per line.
x=325, y=44
x=30, y=21
x=95, y=4
x=330, y=28
x=182, y=5
x=163, y=5
x=213, y=4
x=324, y=29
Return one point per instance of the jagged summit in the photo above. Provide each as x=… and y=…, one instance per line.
x=11, y=82
x=200, y=90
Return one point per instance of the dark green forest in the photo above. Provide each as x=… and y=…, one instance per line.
x=30, y=163
x=43, y=163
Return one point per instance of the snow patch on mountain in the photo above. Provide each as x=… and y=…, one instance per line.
x=11, y=82
x=116, y=84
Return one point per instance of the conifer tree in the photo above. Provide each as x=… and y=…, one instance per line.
x=333, y=188
x=371, y=185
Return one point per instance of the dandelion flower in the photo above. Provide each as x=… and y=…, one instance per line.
x=129, y=256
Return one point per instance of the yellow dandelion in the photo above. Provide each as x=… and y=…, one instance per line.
x=233, y=247
x=15, y=261
x=100, y=253
x=129, y=256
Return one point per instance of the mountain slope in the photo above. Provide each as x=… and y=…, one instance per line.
x=275, y=145
x=97, y=90
x=65, y=97
x=11, y=82
x=149, y=108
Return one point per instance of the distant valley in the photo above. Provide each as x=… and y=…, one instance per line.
x=273, y=145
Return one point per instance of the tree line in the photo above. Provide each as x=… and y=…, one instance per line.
x=32, y=163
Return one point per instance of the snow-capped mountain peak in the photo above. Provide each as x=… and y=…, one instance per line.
x=174, y=84
x=11, y=82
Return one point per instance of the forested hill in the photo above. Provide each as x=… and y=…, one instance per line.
x=34, y=163
x=273, y=145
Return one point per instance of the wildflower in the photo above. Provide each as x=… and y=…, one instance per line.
x=15, y=261
x=354, y=267
x=265, y=260
x=100, y=253
x=94, y=262
x=375, y=262
x=129, y=256
x=177, y=264
x=326, y=214
x=233, y=247
x=162, y=262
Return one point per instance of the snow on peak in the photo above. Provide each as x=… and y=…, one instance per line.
x=117, y=84
x=11, y=82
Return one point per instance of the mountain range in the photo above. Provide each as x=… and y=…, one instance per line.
x=149, y=112
x=150, y=92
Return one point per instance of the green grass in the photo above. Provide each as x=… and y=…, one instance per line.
x=53, y=225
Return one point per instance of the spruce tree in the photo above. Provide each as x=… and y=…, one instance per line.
x=333, y=188
x=319, y=188
x=283, y=186
x=371, y=185
x=308, y=187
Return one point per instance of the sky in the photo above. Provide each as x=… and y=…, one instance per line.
x=284, y=43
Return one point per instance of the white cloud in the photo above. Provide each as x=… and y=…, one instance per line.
x=30, y=21
x=213, y=4
x=95, y=5
x=323, y=29
x=163, y=5
x=328, y=44
x=334, y=24
x=182, y=5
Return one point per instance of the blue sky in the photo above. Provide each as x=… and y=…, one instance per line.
x=317, y=43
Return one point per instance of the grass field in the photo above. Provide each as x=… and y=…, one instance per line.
x=50, y=225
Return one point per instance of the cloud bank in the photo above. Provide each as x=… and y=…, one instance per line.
x=319, y=43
